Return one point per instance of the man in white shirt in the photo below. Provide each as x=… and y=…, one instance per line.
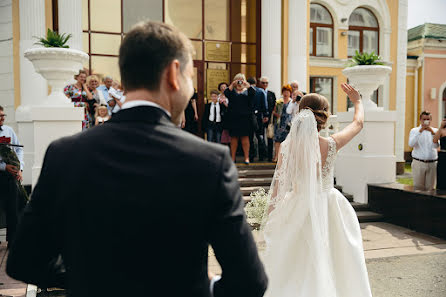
x=8, y=174
x=424, y=154
x=118, y=96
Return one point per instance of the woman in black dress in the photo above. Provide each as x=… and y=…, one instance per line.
x=441, y=165
x=240, y=114
x=191, y=115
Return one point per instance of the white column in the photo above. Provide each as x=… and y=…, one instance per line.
x=297, y=42
x=6, y=62
x=401, y=61
x=70, y=21
x=272, y=43
x=32, y=86
x=32, y=24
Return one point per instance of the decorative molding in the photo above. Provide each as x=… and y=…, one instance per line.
x=328, y=62
x=435, y=56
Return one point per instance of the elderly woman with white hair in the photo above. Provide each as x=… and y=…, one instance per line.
x=240, y=114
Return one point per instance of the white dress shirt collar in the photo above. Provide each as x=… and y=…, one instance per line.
x=136, y=103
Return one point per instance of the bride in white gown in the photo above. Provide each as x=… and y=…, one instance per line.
x=314, y=244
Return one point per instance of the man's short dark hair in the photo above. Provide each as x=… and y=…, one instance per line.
x=215, y=92
x=1, y=108
x=252, y=80
x=425, y=112
x=147, y=50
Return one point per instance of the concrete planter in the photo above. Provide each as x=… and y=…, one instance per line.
x=57, y=66
x=367, y=78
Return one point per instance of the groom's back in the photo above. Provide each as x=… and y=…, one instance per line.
x=142, y=205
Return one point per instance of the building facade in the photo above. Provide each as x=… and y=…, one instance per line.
x=426, y=75
x=286, y=40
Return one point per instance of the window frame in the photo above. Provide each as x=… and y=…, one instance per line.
x=313, y=89
x=314, y=27
x=361, y=30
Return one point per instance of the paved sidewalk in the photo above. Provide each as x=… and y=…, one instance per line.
x=9, y=287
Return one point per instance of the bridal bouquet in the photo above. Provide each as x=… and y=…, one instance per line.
x=255, y=209
x=10, y=157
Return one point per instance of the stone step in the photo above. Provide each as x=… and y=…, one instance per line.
x=348, y=196
x=360, y=206
x=252, y=182
x=246, y=191
x=257, y=166
x=255, y=172
x=369, y=216
x=338, y=187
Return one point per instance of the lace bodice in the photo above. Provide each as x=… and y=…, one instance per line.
x=328, y=168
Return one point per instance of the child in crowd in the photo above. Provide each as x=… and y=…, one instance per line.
x=101, y=115
x=212, y=118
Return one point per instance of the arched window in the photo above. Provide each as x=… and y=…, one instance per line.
x=321, y=31
x=363, y=32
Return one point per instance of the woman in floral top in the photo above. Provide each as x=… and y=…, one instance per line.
x=282, y=126
x=79, y=93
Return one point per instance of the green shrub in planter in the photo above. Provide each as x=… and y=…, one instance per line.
x=365, y=59
x=54, y=39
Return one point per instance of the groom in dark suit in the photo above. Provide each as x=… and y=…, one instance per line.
x=129, y=208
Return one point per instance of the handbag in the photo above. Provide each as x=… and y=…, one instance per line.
x=270, y=129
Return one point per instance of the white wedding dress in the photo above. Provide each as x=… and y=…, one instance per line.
x=314, y=243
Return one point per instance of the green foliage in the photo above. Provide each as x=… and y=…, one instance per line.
x=405, y=181
x=53, y=39
x=9, y=157
x=365, y=59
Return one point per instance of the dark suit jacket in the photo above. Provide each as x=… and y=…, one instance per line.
x=131, y=206
x=271, y=98
x=207, y=111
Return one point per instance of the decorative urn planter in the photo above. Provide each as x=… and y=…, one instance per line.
x=57, y=66
x=367, y=78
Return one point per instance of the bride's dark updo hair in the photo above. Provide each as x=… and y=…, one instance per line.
x=318, y=104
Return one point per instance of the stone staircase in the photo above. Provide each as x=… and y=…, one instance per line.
x=259, y=175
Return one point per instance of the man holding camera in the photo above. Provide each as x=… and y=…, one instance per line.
x=424, y=154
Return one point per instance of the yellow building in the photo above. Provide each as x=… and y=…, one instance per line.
x=426, y=75
x=286, y=40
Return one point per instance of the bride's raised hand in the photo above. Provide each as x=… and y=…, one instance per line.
x=351, y=92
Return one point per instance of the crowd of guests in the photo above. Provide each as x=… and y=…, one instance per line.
x=100, y=102
x=428, y=154
x=246, y=112
x=242, y=112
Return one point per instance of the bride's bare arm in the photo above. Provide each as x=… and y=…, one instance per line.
x=347, y=134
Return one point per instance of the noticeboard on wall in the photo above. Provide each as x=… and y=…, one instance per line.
x=213, y=78
x=217, y=51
